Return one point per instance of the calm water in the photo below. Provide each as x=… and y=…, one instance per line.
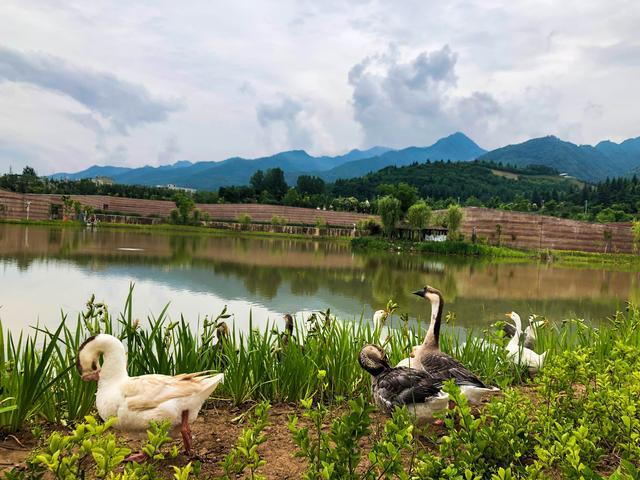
x=45, y=270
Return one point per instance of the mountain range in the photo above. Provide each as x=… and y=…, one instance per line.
x=606, y=159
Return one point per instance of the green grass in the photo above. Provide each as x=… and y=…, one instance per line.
x=572, y=258
x=448, y=247
x=258, y=365
x=579, y=416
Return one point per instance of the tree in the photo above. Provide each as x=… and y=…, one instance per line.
x=419, y=215
x=606, y=215
x=389, y=209
x=184, y=206
x=453, y=219
x=310, y=185
x=257, y=181
x=274, y=183
x=635, y=230
x=292, y=198
x=407, y=194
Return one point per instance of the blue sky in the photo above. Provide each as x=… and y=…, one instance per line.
x=135, y=83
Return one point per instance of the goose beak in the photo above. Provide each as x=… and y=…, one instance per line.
x=91, y=376
x=419, y=293
x=508, y=315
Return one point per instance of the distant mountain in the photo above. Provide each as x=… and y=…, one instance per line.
x=625, y=155
x=92, y=172
x=607, y=159
x=232, y=171
x=457, y=147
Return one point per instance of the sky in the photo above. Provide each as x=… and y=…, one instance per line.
x=153, y=82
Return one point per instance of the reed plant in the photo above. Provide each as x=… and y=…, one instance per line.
x=38, y=377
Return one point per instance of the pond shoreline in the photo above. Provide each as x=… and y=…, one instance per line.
x=571, y=258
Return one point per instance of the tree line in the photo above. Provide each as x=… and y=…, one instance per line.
x=435, y=185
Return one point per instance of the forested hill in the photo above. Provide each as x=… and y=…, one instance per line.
x=606, y=160
x=462, y=180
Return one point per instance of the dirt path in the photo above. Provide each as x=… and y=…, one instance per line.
x=215, y=432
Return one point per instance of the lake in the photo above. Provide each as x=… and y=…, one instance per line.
x=44, y=270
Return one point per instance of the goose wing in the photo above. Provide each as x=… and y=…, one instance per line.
x=405, y=386
x=149, y=391
x=442, y=367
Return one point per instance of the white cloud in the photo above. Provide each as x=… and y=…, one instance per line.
x=90, y=82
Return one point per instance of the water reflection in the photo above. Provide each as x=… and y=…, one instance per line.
x=44, y=269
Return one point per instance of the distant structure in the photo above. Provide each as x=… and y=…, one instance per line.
x=103, y=181
x=171, y=186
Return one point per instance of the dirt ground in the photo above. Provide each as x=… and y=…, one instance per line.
x=215, y=432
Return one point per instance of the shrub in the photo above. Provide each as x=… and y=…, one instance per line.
x=277, y=220
x=244, y=219
x=369, y=226
x=321, y=223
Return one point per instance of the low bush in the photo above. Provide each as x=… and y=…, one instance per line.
x=278, y=221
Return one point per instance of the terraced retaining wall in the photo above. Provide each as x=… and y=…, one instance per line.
x=539, y=232
x=517, y=229
x=40, y=208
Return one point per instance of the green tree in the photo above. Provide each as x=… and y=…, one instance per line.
x=274, y=183
x=292, y=198
x=635, y=230
x=184, y=205
x=606, y=215
x=389, y=209
x=405, y=193
x=310, y=185
x=453, y=219
x=257, y=181
x=419, y=215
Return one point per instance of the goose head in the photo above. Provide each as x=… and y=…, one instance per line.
x=536, y=323
x=373, y=359
x=222, y=331
x=88, y=358
x=288, y=323
x=429, y=293
x=516, y=320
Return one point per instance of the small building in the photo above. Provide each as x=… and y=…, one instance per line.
x=103, y=181
x=429, y=234
x=171, y=186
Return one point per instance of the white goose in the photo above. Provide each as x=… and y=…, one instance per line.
x=428, y=356
x=135, y=401
x=523, y=355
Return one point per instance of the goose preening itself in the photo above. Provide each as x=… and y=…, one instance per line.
x=529, y=332
x=400, y=386
x=428, y=357
x=136, y=401
x=523, y=355
x=286, y=336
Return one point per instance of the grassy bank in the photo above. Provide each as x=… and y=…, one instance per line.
x=577, y=259
x=447, y=247
x=579, y=418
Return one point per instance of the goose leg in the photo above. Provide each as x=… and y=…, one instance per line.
x=186, y=432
